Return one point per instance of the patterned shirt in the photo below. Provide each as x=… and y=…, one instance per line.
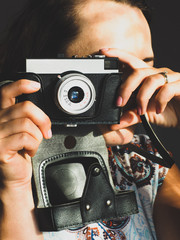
x=130, y=171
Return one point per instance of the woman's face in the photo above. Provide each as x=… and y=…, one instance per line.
x=108, y=24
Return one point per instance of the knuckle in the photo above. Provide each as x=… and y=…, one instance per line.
x=25, y=123
x=152, y=81
x=141, y=98
x=3, y=94
x=137, y=72
x=164, y=91
x=159, y=100
x=20, y=84
x=166, y=88
x=23, y=137
x=149, y=79
x=26, y=106
x=4, y=160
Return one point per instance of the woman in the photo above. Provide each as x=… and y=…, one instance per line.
x=118, y=29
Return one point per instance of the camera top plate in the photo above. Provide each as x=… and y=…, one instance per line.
x=98, y=64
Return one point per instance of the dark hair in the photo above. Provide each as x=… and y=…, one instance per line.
x=44, y=29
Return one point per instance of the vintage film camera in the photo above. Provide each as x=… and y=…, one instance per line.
x=76, y=90
x=73, y=184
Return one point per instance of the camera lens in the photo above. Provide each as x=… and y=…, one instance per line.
x=76, y=94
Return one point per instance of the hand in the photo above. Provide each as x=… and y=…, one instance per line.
x=22, y=127
x=158, y=99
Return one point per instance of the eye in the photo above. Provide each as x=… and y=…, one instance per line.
x=149, y=61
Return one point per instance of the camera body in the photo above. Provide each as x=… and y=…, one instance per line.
x=75, y=90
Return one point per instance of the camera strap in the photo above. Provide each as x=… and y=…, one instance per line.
x=73, y=182
x=165, y=160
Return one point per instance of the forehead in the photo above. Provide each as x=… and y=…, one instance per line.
x=110, y=24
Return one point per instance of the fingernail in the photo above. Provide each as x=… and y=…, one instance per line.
x=119, y=101
x=104, y=49
x=49, y=134
x=158, y=110
x=139, y=110
x=35, y=85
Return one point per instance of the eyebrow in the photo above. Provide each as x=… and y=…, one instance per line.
x=148, y=59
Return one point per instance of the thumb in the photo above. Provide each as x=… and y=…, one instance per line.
x=128, y=119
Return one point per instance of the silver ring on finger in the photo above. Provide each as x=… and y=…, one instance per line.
x=164, y=74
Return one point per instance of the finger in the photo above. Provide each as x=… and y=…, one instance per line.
x=28, y=110
x=171, y=76
x=9, y=92
x=128, y=119
x=125, y=57
x=148, y=80
x=150, y=86
x=11, y=145
x=18, y=126
x=166, y=94
x=117, y=137
x=132, y=82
